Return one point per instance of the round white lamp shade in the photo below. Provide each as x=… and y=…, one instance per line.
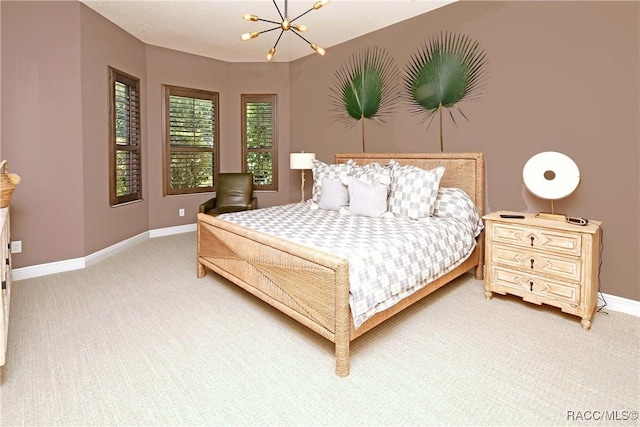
x=301, y=160
x=551, y=175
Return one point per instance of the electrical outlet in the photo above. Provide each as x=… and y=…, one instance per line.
x=181, y=212
x=16, y=247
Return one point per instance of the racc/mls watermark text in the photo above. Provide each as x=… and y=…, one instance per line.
x=602, y=415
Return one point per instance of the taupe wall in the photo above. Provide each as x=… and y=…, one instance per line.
x=42, y=135
x=103, y=44
x=55, y=59
x=165, y=66
x=563, y=77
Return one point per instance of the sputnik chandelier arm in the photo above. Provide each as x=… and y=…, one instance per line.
x=314, y=46
x=285, y=25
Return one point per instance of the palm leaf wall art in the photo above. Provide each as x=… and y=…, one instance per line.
x=365, y=87
x=446, y=70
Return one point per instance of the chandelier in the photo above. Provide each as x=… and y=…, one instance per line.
x=285, y=24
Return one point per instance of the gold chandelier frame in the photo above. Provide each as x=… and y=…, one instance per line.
x=285, y=24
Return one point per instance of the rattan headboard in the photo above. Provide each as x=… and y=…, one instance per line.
x=462, y=170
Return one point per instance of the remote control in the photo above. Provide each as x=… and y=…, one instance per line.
x=514, y=216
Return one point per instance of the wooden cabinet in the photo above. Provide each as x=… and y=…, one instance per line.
x=544, y=261
x=5, y=277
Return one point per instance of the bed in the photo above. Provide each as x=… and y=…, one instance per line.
x=313, y=286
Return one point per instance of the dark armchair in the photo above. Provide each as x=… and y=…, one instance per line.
x=234, y=193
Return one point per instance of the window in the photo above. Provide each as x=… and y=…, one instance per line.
x=259, y=137
x=191, y=140
x=124, y=148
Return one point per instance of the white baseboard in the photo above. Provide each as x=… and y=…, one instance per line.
x=614, y=303
x=79, y=263
x=114, y=249
x=48, y=268
x=168, y=231
x=623, y=305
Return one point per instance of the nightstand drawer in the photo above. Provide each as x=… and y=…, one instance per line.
x=536, y=288
x=536, y=262
x=537, y=238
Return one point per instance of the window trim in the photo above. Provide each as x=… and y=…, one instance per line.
x=273, y=99
x=167, y=92
x=132, y=82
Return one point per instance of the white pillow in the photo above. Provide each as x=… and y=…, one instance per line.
x=334, y=195
x=367, y=199
x=322, y=170
x=414, y=190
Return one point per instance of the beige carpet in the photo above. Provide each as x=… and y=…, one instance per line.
x=138, y=340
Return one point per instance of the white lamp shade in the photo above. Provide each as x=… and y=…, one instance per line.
x=551, y=175
x=301, y=160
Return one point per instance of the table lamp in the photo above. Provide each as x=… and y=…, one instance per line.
x=301, y=161
x=551, y=176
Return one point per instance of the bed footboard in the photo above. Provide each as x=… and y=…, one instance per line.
x=307, y=285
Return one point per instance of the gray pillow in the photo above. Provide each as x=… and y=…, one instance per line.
x=372, y=172
x=414, y=190
x=334, y=195
x=367, y=199
x=455, y=203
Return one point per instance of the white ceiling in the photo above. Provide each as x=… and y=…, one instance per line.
x=212, y=28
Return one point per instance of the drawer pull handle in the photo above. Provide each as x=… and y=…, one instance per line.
x=532, y=239
x=532, y=263
x=531, y=286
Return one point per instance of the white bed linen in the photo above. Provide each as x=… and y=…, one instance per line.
x=389, y=258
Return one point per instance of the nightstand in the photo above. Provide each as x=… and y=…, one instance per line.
x=544, y=261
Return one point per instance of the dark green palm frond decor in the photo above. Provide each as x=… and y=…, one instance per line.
x=366, y=87
x=446, y=70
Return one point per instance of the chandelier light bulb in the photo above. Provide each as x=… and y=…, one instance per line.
x=321, y=3
x=270, y=54
x=249, y=36
x=299, y=27
x=318, y=49
x=250, y=17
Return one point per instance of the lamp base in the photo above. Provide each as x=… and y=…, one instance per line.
x=302, y=187
x=553, y=216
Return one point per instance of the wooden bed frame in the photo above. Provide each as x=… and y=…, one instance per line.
x=311, y=286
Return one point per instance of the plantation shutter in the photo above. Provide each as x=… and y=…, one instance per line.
x=259, y=139
x=191, y=133
x=126, y=160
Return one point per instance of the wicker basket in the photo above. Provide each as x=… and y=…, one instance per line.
x=8, y=182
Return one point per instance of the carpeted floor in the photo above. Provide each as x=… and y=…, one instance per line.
x=137, y=339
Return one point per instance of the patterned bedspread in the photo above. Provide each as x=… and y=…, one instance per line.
x=389, y=258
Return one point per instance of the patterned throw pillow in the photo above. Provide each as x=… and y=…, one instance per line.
x=455, y=203
x=372, y=172
x=322, y=170
x=414, y=190
x=334, y=195
x=367, y=199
